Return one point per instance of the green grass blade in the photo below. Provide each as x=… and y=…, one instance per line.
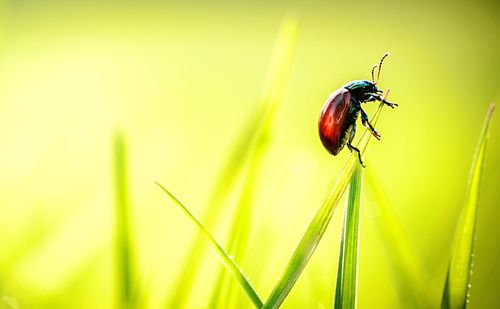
x=457, y=286
x=123, y=256
x=347, y=274
x=407, y=269
x=318, y=225
x=240, y=227
x=239, y=232
x=243, y=150
x=224, y=184
x=221, y=254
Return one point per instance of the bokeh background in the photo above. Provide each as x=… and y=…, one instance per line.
x=179, y=79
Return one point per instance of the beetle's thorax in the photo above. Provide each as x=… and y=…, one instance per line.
x=361, y=89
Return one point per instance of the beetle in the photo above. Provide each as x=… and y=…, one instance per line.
x=337, y=121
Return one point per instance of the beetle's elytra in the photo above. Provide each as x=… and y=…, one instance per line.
x=337, y=122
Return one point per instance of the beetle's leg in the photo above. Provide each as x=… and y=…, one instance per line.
x=377, y=97
x=351, y=135
x=351, y=147
x=365, y=121
x=371, y=98
x=391, y=104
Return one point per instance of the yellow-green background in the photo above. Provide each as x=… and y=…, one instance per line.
x=179, y=79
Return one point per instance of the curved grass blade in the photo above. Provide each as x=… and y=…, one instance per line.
x=347, y=274
x=221, y=254
x=244, y=148
x=457, y=287
x=124, y=269
x=239, y=232
x=318, y=225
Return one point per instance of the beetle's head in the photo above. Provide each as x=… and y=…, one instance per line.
x=363, y=89
x=375, y=89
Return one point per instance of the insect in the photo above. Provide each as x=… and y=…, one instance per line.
x=337, y=122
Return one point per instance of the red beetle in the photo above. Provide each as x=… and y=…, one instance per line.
x=337, y=122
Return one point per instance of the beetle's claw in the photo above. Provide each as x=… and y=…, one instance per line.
x=392, y=105
x=376, y=135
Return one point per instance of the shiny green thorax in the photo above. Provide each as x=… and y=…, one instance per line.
x=356, y=84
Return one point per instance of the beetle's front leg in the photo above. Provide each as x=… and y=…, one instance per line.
x=377, y=97
x=365, y=121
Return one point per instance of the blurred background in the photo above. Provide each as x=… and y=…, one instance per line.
x=179, y=80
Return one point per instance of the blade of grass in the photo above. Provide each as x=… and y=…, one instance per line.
x=123, y=256
x=347, y=274
x=238, y=235
x=221, y=254
x=244, y=148
x=318, y=225
x=224, y=184
x=407, y=269
x=457, y=287
x=239, y=232
x=240, y=227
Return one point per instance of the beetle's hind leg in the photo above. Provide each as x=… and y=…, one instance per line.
x=365, y=121
x=351, y=147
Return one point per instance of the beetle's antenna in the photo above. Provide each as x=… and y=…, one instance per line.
x=380, y=66
x=373, y=71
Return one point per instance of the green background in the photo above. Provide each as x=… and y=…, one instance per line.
x=180, y=79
